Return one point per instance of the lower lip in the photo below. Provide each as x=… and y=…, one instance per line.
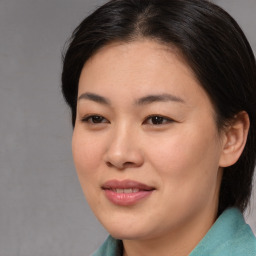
x=126, y=199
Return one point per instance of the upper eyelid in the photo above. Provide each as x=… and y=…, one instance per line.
x=87, y=117
x=168, y=119
x=162, y=116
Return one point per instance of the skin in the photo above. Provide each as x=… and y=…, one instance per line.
x=181, y=157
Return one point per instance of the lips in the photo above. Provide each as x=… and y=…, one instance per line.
x=126, y=192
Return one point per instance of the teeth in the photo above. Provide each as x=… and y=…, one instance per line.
x=119, y=190
x=126, y=190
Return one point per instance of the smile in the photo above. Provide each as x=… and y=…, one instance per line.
x=126, y=192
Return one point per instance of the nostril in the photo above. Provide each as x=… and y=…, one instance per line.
x=128, y=164
x=109, y=164
x=121, y=165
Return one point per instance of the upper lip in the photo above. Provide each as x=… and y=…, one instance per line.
x=126, y=184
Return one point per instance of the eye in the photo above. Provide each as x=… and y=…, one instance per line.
x=94, y=119
x=157, y=120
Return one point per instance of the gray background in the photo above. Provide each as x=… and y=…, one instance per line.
x=42, y=208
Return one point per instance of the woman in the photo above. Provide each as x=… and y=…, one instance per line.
x=163, y=99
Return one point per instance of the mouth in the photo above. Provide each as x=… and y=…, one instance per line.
x=126, y=192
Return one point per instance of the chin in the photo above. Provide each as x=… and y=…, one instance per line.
x=127, y=235
x=128, y=230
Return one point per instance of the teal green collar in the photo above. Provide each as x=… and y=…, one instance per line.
x=229, y=236
x=111, y=247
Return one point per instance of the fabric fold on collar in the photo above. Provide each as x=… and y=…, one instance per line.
x=229, y=235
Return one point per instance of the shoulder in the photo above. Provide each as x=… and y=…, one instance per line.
x=229, y=235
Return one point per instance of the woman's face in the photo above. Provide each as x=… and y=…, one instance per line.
x=145, y=142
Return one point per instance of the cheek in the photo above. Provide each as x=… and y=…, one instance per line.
x=187, y=157
x=87, y=154
x=188, y=169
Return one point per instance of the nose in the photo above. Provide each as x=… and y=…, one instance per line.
x=123, y=150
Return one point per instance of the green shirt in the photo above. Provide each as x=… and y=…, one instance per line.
x=229, y=236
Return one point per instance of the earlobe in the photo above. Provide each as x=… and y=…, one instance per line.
x=235, y=136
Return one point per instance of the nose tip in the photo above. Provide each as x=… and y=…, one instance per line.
x=123, y=154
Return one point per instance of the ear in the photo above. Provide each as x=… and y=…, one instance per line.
x=234, y=139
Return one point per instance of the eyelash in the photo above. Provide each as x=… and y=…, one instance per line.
x=163, y=120
x=98, y=119
x=89, y=119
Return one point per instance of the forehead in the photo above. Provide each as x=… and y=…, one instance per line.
x=139, y=68
x=136, y=52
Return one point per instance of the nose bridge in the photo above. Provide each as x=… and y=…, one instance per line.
x=121, y=139
x=123, y=150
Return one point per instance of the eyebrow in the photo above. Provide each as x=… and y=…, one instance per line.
x=158, y=98
x=94, y=97
x=141, y=101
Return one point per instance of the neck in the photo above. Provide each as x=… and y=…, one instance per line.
x=178, y=242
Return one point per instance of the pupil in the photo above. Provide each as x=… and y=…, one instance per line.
x=97, y=119
x=157, y=120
